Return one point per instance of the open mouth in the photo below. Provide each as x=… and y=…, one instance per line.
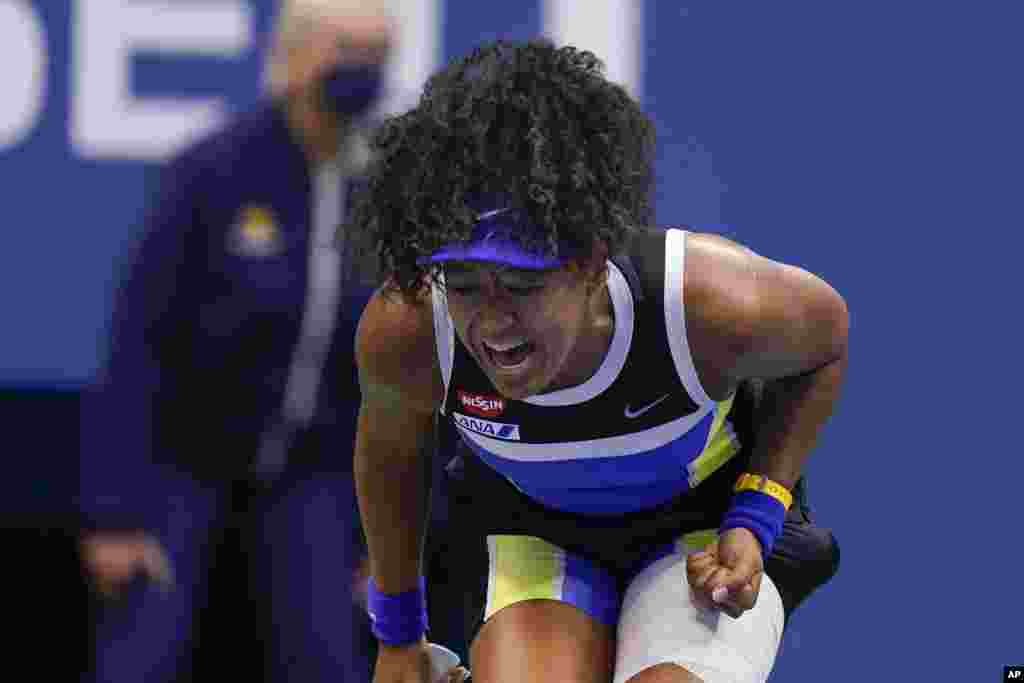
x=509, y=356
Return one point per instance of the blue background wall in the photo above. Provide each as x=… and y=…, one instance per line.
x=875, y=143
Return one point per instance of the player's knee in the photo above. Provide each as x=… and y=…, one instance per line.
x=666, y=673
x=535, y=640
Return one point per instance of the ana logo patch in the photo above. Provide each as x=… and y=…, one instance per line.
x=255, y=233
x=495, y=430
x=479, y=404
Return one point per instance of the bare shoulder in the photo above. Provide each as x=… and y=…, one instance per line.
x=395, y=350
x=749, y=315
x=720, y=290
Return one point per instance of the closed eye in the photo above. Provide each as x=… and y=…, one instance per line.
x=523, y=291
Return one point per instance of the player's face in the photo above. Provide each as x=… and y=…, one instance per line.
x=519, y=325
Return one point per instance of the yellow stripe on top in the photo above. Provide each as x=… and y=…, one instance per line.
x=522, y=568
x=721, y=445
x=722, y=409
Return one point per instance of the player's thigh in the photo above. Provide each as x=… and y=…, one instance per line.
x=540, y=640
x=660, y=628
x=547, y=615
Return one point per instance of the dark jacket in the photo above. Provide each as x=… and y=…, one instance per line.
x=207, y=316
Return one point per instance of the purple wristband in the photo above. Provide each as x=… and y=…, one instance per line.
x=759, y=512
x=397, y=619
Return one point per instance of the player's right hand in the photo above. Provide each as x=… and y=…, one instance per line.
x=410, y=664
x=111, y=559
x=726, y=575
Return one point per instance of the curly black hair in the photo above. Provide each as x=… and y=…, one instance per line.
x=538, y=124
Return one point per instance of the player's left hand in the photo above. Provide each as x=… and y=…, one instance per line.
x=726, y=575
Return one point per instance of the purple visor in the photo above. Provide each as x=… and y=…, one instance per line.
x=496, y=239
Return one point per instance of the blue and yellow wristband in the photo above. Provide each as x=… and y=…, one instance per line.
x=759, y=505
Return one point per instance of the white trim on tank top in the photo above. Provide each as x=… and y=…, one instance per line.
x=623, y=445
x=444, y=335
x=614, y=359
x=611, y=366
x=675, y=315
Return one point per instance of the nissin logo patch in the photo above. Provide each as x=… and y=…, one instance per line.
x=495, y=430
x=478, y=404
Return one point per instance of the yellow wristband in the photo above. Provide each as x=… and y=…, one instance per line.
x=759, y=482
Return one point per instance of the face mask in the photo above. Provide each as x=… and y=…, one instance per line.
x=349, y=90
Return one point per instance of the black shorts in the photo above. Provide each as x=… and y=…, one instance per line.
x=489, y=517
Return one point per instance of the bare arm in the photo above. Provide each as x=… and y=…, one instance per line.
x=753, y=317
x=401, y=389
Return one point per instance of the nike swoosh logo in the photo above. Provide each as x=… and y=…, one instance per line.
x=491, y=214
x=641, y=411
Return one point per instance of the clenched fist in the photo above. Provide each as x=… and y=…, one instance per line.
x=726, y=575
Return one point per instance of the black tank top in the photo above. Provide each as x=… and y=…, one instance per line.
x=639, y=433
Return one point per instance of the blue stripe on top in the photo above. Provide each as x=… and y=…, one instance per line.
x=605, y=485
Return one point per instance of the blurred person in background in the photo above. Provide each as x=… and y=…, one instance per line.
x=226, y=406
